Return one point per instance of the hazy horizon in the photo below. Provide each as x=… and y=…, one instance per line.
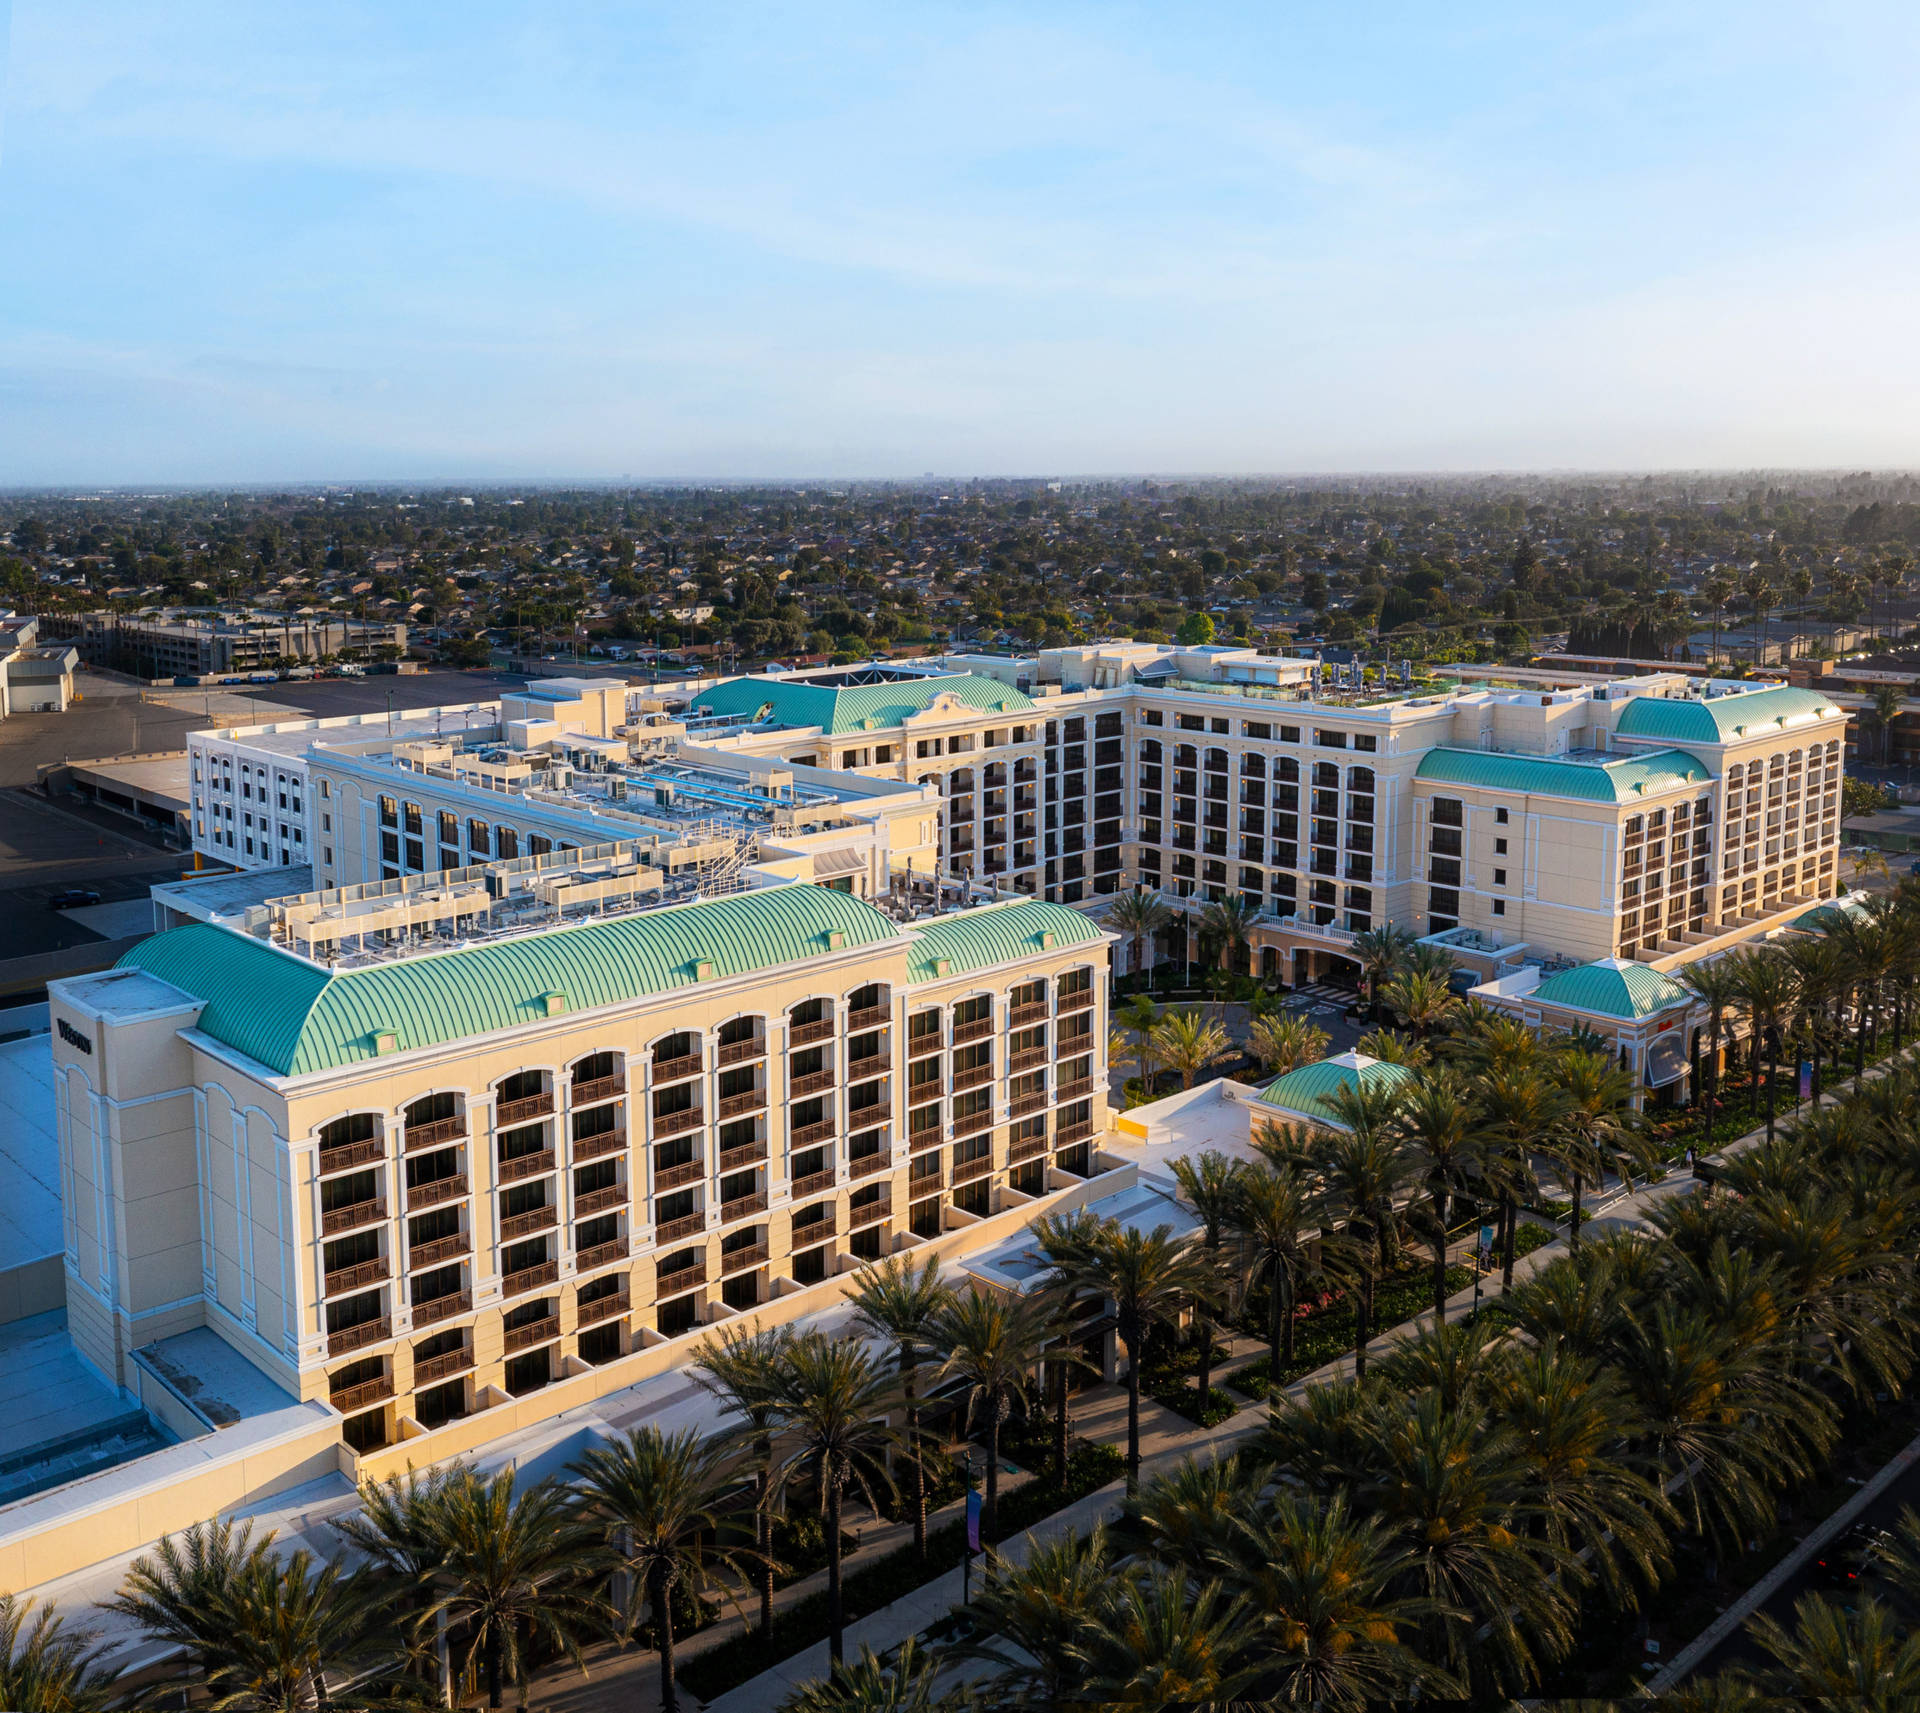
x=568, y=242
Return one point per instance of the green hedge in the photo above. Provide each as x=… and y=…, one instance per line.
x=1327, y=1335
x=1184, y=1401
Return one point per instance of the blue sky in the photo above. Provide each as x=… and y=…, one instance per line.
x=282, y=241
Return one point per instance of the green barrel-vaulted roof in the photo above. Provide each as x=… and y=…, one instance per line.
x=1310, y=1089
x=1619, y=781
x=860, y=707
x=995, y=934
x=1745, y=713
x=298, y=1018
x=1612, y=987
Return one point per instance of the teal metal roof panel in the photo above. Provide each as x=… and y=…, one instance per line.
x=297, y=1018
x=1620, y=781
x=997, y=934
x=1310, y=1088
x=1611, y=988
x=1745, y=714
x=861, y=708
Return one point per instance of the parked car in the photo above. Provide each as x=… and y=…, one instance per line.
x=72, y=898
x=1841, y=1565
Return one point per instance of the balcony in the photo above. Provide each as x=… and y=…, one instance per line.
x=439, y=1367
x=672, y=1230
x=1022, y=1015
x=733, y=1105
x=525, y=1166
x=441, y=1308
x=816, y=1230
x=1027, y=1059
x=601, y=1088
x=529, y=1279
x=678, y=1123
x=809, y=1134
x=525, y=1224
x=863, y=1117
x=739, y=1260
x=534, y=1332
x=973, y=1077
x=868, y=1164
x=739, y=1052
x=977, y=1030
x=426, y=1255
x=507, y=1113
x=603, y=1308
x=919, y=1046
x=359, y=1337
x=352, y=1278
x=441, y=1190
x=868, y=1017
x=353, y=1154
x=1021, y=1105
x=674, y=1070
x=352, y=1398
x=598, y=1201
x=600, y=1255
x=812, y=1184
x=681, y=1279
x=743, y=1207
x=814, y=1082
x=1076, y=1001
x=967, y=1170
x=974, y=1123
x=437, y=1134
x=1075, y=1132
x=860, y=1217
x=587, y=1148
x=801, y=1033
x=873, y=1065
x=1076, y=1090
x=747, y=1154
x=1026, y=1150
x=351, y=1217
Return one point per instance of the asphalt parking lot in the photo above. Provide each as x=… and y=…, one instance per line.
x=326, y=697
x=48, y=847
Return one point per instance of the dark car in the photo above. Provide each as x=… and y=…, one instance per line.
x=71, y=898
x=1841, y=1564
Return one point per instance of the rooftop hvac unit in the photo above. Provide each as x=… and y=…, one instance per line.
x=560, y=776
x=663, y=796
x=617, y=789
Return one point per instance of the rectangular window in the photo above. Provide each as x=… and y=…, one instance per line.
x=1330, y=740
x=1447, y=812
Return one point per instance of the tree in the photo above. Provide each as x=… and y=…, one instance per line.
x=1188, y=1043
x=518, y=1567
x=1596, y=1123
x=1762, y=597
x=285, y=1623
x=397, y=1530
x=1272, y=1206
x=1164, y=1640
x=834, y=1402
x=895, y=1302
x=1718, y=592
x=1196, y=631
x=992, y=1344
x=1522, y=1110
x=873, y=1685
x=1864, y=1657
x=1228, y=923
x=1283, y=1044
x=659, y=1500
x=1439, y=1122
x=47, y=1666
x=1421, y=1000
x=1715, y=983
x=1029, y=1617
x=1765, y=985
x=1212, y=1188
x=1140, y=1017
x=742, y=1370
x=1149, y=1278
x=1139, y=914
x=181, y=1591
x=1363, y=1170
x=1381, y=951
x=1888, y=700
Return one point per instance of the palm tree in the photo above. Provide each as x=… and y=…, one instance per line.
x=1381, y=951
x=1140, y=1017
x=47, y=1667
x=992, y=1344
x=286, y=1622
x=1363, y=1171
x=1283, y=1044
x=1596, y=1123
x=1888, y=701
x=659, y=1499
x=1834, y=1656
x=1758, y=587
x=1820, y=978
x=1164, y=1641
x=1029, y=1617
x=1211, y=1186
x=518, y=1568
x=1150, y=1279
x=1766, y=990
x=397, y=1530
x=834, y=1402
x=1229, y=924
x=742, y=1370
x=1271, y=1209
x=1421, y=1000
x=1392, y=1048
x=872, y=1685
x=1188, y=1043
x=902, y=1305
x=1715, y=983
x=1439, y=1121
x=1139, y=914
x=1718, y=591
x=1523, y=1109
x=180, y=1591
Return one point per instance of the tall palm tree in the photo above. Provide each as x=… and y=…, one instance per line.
x=179, y=1592
x=1228, y=923
x=1188, y=1043
x=1139, y=914
x=287, y=1623
x=905, y=1684
x=660, y=1501
x=397, y=1531
x=1439, y=1121
x=1390, y=1047
x=1762, y=597
x=835, y=1402
x=1767, y=992
x=1029, y=1617
x=1820, y=977
x=1211, y=1186
x=992, y=1344
x=1888, y=701
x=1523, y=1109
x=1150, y=1279
x=1421, y=1000
x=1596, y=1127
x=1140, y=1017
x=1364, y=1170
x=1283, y=1044
x=1163, y=1640
x=1836, y=1656
x=895, y=1301
x=742, y=1370
x=1718, y=591
x=519, y=1566
x=47, y=1666
x=1381, y=951
x=1715, y=983
x=1272, y=1207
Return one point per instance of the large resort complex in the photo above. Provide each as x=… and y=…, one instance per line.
x=505, y=1050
